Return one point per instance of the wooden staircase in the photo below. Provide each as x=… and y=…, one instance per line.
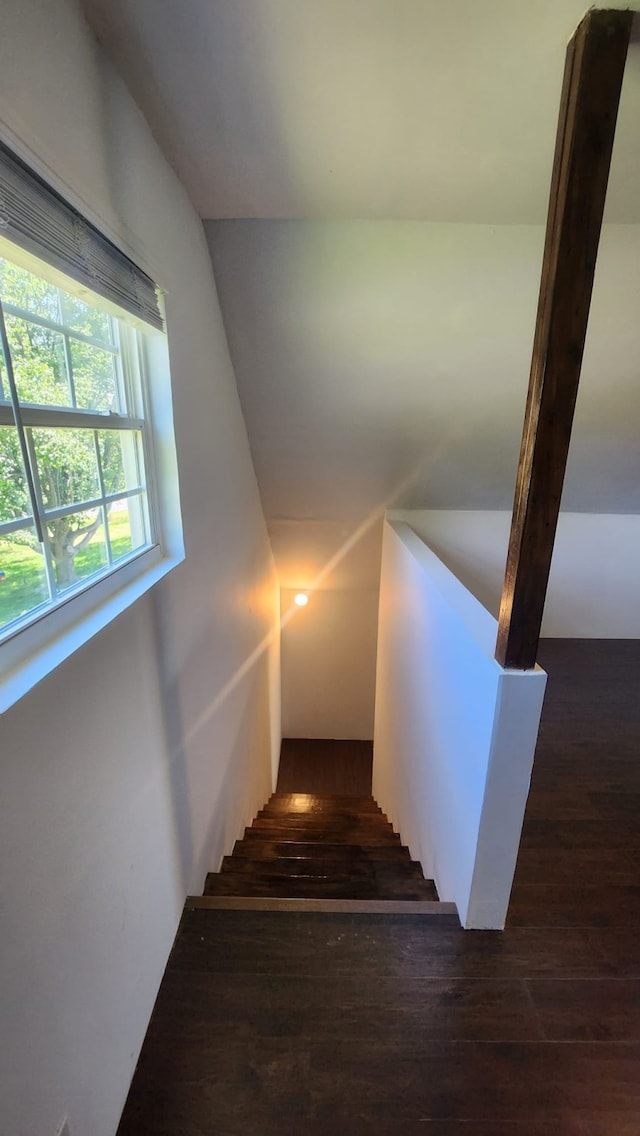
x=303, y=846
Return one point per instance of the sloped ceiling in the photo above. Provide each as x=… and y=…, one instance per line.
x=432, y=110
x=374, y=176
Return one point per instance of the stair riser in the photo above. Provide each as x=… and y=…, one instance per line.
x=256, y=849
x=302, y=824
x=323, y=836
x=229, y=884
x=344, y=810
x=357, y=868
x=334, y=819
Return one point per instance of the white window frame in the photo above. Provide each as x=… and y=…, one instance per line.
x=36, y=647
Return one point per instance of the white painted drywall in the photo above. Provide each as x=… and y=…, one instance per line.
x=594, y=584
x=329, y=647
x=454, y=733
x=328, y=664
x=361, y=108
x=128, y=771
x=386, y=364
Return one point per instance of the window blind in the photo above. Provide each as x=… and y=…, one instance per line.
x=35, y=217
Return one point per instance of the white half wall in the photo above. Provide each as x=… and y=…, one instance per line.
x=130, y=770
x=594, y=583
x=454, y=734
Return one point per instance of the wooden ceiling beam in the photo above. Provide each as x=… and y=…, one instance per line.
x=593, y=73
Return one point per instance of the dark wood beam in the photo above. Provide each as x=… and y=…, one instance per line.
x=588, y=110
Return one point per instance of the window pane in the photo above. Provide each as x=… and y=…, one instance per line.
x=4, y=386
x=120, y=458
x=81, y=317
x=67, y=466
x=23, y=580
x=127, y=526
x=94, y=377
x=78, y=547
x=39, y=363
x=14, y=498
x=21, y=288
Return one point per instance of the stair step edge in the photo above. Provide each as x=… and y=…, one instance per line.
x=427, y=907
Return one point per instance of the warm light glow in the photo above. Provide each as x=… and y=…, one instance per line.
x=301, y=599
x=273, y=634
x=302, y=802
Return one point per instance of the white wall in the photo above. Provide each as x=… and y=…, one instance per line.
x=328, y=647
x=329, y=664
x=454, y=733
x=128, y=772
x=594, y=584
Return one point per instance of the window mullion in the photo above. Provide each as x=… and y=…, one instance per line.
x=61, y=417
x=105, y=517
x=122, y=365
x=61, y=328
x=7, y=527
x=69, y=363
x=151, y=500
x=39, y=514
x=24, y=449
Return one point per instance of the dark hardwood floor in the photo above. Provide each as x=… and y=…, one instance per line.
x=579, y=855
x=311, y=765
x=324, y=1024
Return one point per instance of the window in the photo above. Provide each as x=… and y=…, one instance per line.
x=89, y=496
x=74, y=500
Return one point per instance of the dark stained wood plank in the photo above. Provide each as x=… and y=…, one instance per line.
x=436, y=1009
x=614, y=832
x=563, y=803
x=299, y=866
x=295, y=1061
x=350, y=885
x=359, y=866
x=589, y=105
x=320, y=834
x=280, y=944
x=460, y=1079
x=579, y=1010
x=550, y=904
x=356, y=828
x=307, y=804
x=312, y=765
x=576, y=866
x=280, y=1022
x=576, y=1123
x=292, y=849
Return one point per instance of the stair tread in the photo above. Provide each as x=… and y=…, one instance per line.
x=325, y=799
x=257, y=849
x=229, y=883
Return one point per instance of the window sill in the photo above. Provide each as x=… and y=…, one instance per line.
x=34, y=653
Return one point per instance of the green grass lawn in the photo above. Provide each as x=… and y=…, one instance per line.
x=24, y=585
